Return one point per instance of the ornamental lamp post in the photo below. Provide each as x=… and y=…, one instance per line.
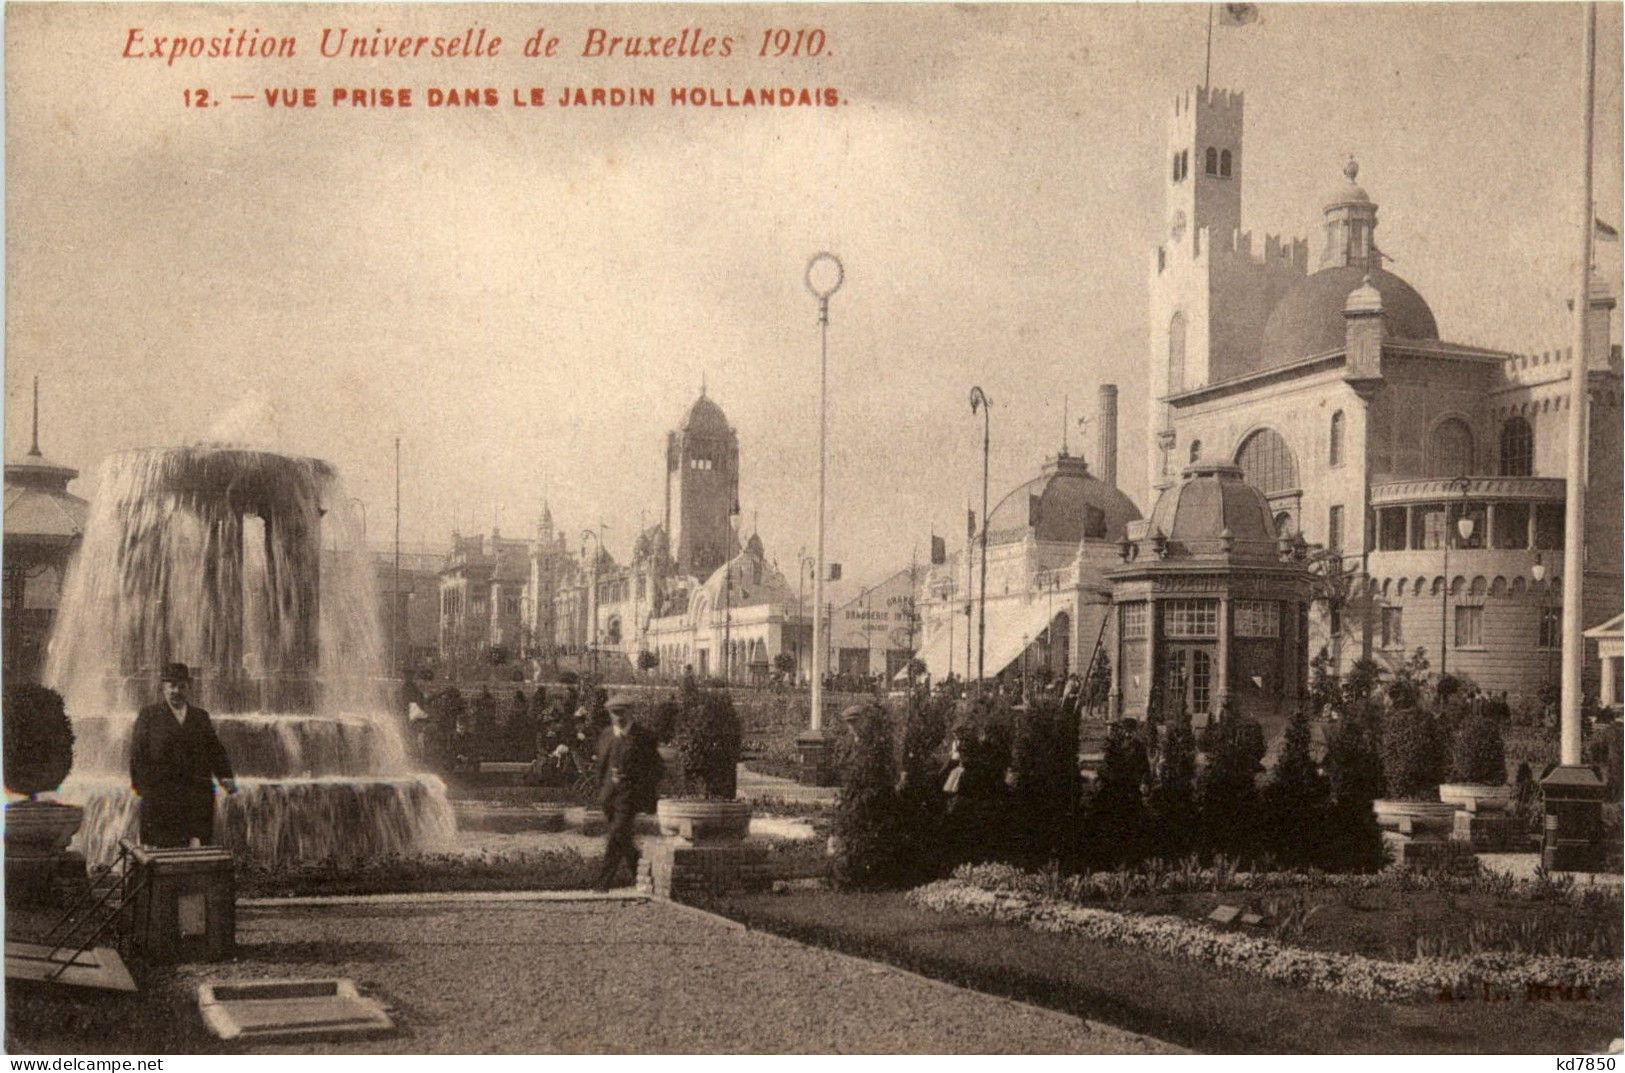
x=1542, y=635
x=1464, y=526
x=823, y=277
x=980, y=401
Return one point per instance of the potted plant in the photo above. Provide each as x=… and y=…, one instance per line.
x=1414, y=763
x=38, y=756
x=1480, y=766
x=706, y=739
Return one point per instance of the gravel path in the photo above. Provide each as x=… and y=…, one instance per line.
x=629, y=977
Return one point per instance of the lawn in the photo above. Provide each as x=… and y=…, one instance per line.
x=1180, y=1001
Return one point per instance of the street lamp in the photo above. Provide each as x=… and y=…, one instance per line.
x=1464, y=526
x=823, y=278
x=980, y=401
x=1538, y=572
x=728, y=597
x=592, y=593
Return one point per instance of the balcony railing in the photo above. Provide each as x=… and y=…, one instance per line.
x=1481, y=489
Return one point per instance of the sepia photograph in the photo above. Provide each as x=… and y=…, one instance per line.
x=910, y=529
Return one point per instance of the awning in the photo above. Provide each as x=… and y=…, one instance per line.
x=942, y=652
x=1012, y=625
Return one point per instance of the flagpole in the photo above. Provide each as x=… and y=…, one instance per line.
x=1579, y=394
x=1207, y=72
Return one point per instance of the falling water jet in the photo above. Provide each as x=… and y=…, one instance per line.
x=214, y=556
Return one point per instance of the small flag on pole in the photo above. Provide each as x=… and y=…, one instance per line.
x=1605, y=232
x=835, y=571
x=970, y=523
x=939, y=550
x=1237, y=14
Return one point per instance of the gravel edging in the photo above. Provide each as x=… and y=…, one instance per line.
x=430, y=897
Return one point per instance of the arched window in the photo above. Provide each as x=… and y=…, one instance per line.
x=1334, y=451
x=1176, y=354
x=1176, y=168
x=1450, y=449
x=1224, y=163
x=1196, y=450
x=1212, y=161
x=1266, y=462
x=1517, y=448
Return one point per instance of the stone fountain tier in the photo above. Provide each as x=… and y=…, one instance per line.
x=264, y=745
x=275, y=824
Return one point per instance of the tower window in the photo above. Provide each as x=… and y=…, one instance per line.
x=1224, y=163
x=1212, y=167
x=1184, y=163
x=1176, y=168
x=1196, y=450
x=1334, y=452
x=1176, y=354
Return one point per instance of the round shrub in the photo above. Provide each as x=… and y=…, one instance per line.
x=1413, y=754
x=1480, y=752
x=38, y=739
x=707, y=741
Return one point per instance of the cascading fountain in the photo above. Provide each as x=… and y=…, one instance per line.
x=214, y=556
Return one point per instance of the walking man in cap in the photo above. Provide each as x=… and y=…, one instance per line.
x=175, y=757
x=628, y=783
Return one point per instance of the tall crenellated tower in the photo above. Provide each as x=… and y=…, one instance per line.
x=1210, y=291
x=702, y=486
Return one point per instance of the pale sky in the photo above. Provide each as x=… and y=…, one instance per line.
x=530, y=298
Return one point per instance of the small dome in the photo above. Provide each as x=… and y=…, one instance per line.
x=1213, y=506
x=705, y=416
x=1066, y=491
x=1309, y=318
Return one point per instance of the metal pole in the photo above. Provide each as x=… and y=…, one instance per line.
x=823, y=295
x=979, y=399
x=1444, y=597
x=395, y=599
x=1579, y=397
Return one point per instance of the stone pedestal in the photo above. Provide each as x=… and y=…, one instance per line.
x=675, y=869
x=1573, y=841
x=1488, y=832
x=40, y=870
x=815, y=758
x=185, y=904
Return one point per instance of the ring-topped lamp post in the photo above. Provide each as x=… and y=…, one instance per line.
x=980, y=401
x=823, y=278
x=1464, y=526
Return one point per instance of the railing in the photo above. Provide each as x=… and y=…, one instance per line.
x=1446, y=489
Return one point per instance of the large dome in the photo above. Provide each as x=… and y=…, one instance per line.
x=705, y=416
x=1309, y=318
x=1067, y=497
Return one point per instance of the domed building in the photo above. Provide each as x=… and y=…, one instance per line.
x=1210, y=606
x=1048, y=541
x=1429, y=473
x=44, y=525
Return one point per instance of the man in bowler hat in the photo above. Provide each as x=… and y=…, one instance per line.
x=175, y=758
x=628, y=783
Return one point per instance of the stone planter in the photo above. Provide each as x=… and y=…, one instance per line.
x=698, y=821
x=38, y=828
x=40, y=869
x=1477, y=796
x=1416, y=819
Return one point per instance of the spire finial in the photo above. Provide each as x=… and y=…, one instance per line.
x=33, y=450
x=1352, y=168
x=1066, y=417
x=702, y=383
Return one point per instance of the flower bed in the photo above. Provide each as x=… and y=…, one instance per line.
x=1343, y=974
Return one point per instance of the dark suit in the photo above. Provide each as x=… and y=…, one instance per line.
x=628, y=783
x=173, y=765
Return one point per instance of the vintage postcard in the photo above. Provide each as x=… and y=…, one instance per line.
x=812, y=528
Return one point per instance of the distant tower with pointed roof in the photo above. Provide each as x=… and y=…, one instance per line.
x=702, y=485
